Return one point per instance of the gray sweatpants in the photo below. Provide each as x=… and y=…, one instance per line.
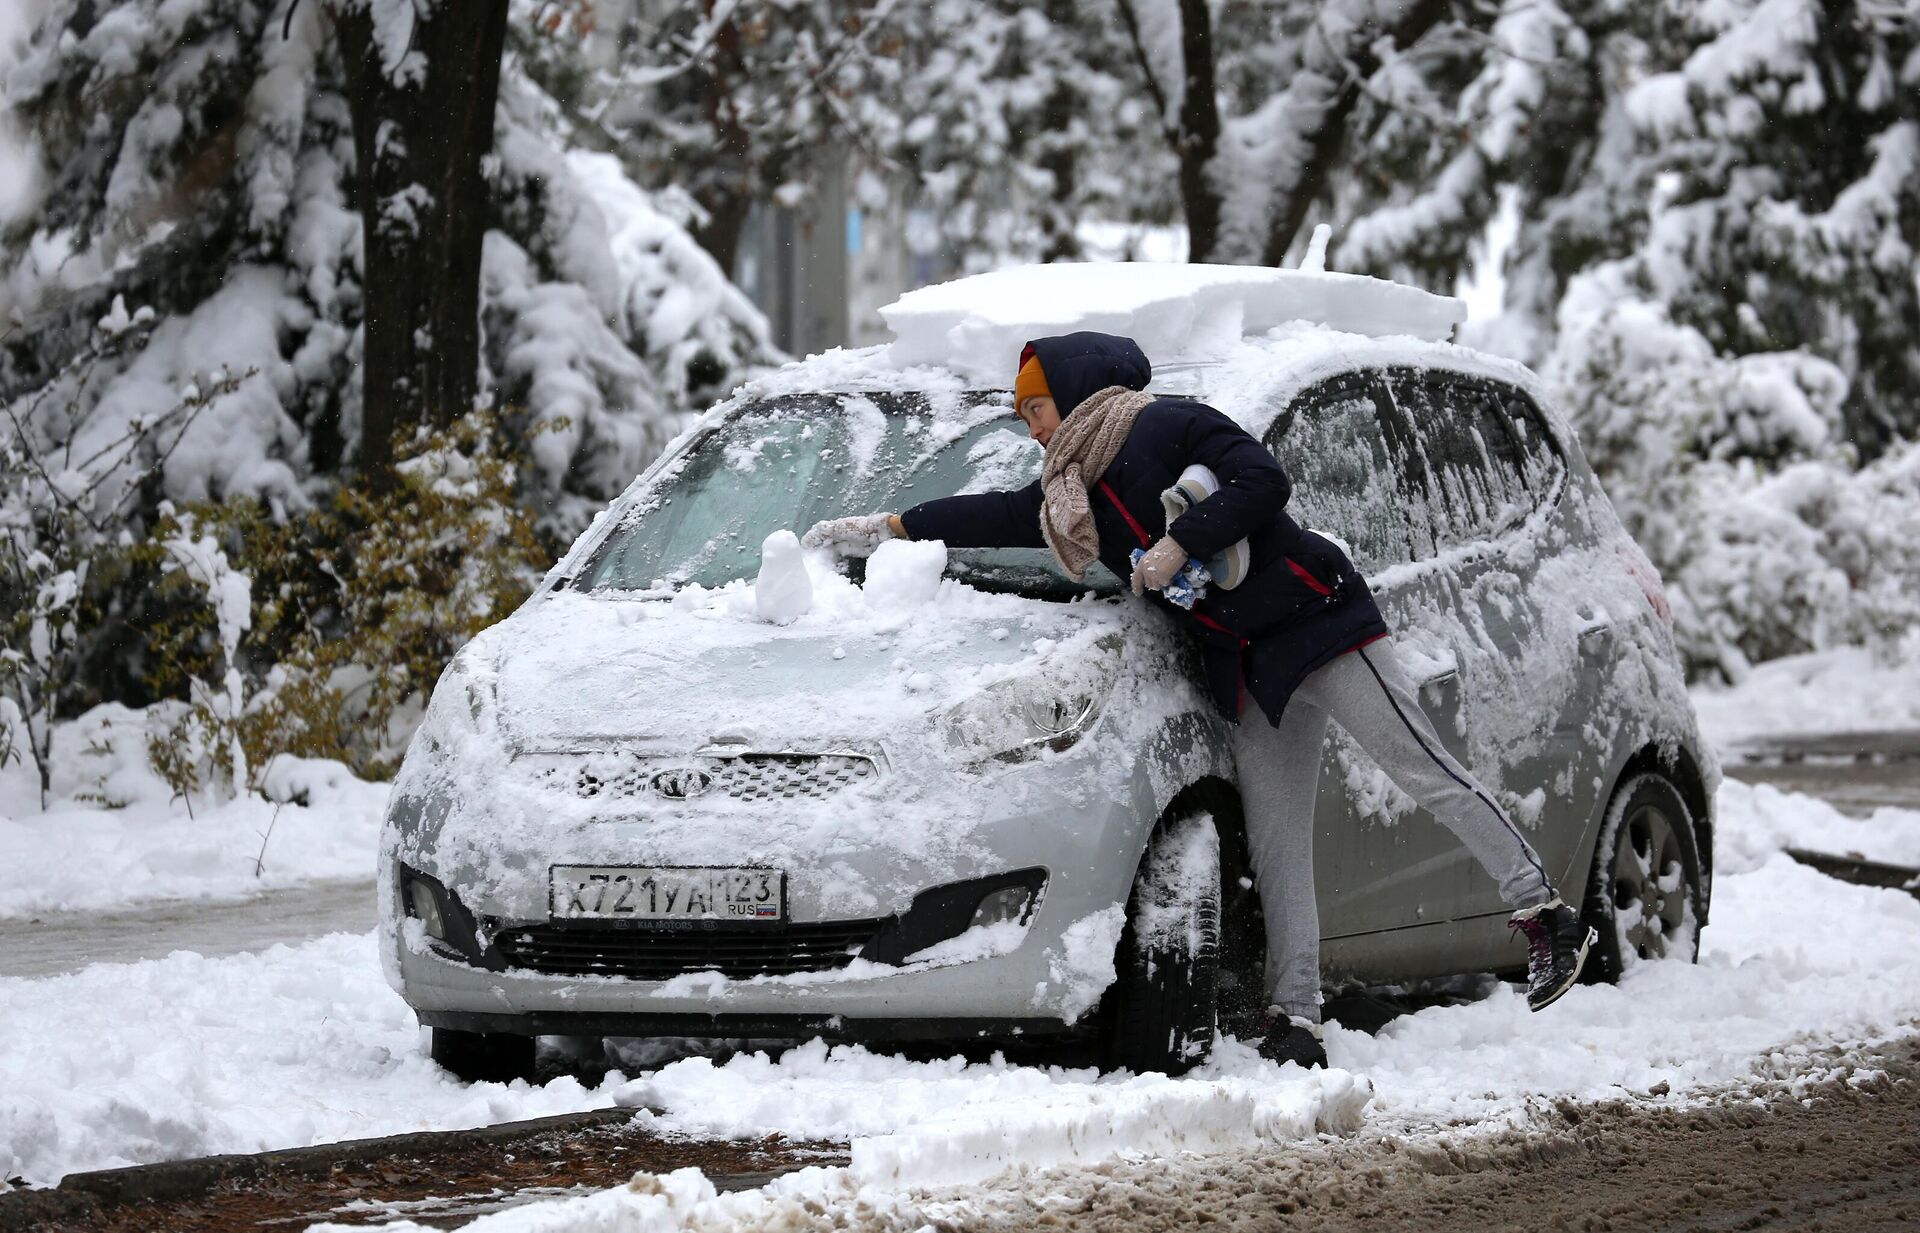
x=1368, y=694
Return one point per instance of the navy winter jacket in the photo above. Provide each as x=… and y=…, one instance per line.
x=1302, y=603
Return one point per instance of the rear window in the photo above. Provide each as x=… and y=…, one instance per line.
x=1403, y=463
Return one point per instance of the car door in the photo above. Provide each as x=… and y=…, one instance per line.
x=1483, y=480
x=1377, y=864
x=1427, y=477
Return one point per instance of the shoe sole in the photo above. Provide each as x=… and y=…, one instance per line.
x=1579, y=961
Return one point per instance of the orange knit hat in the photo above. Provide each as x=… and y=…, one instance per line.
x=1031, y=381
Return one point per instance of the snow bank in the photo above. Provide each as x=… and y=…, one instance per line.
x=1850, y=689
x=977, y=325
x=184, y=1056
x=116, y=836
x=1757, y=820
x=935, y=1123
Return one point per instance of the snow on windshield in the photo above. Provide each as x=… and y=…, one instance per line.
x=786, y=462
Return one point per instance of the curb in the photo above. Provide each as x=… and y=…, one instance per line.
x=1861, y=872
x=80, y=1194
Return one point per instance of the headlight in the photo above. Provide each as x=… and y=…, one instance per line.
x=1048, y=709
x=424, y=906
x=1009, y=904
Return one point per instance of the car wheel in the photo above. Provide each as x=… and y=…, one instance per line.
x=1161, y=1011
x=1644, y=896
x=483, y=1057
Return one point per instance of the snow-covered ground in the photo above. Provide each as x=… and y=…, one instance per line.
x=115, y=836
x=124, y=1063
x=1844, y=690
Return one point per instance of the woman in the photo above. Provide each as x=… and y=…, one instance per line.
x=1299, y=640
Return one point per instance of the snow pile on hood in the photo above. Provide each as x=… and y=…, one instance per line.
x=782, y=593
x=976, y=326
x=870, y=661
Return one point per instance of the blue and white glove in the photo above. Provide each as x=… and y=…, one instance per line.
x=1187, y=584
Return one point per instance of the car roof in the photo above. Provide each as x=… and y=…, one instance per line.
x=1249, y=377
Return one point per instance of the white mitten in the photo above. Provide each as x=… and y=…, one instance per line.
x=856, y=536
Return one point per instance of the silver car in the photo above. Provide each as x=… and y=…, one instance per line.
x=965, y=797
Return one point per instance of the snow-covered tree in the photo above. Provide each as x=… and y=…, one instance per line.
x=199, y=157
x=1020, y=123
x=1750, y=169
x=1262, y=104
x=422, y=80
x=734, y=103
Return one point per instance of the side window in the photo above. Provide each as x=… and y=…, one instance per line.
x=1403, y=463
x=1475, y=455
x=1331, y=441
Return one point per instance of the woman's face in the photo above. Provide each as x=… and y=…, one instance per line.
x=1041, y=417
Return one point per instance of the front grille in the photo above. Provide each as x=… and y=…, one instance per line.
x=742, y=777
x=659, y=954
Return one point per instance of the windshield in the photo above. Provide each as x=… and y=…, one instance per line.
x=791, y=461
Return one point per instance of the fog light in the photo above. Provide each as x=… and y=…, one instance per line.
x=423, y=906
x=1008, y=904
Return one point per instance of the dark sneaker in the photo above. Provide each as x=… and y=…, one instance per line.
x=1557, y=942
x=1286, y=1039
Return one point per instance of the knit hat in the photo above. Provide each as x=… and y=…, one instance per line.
x=1031, y=381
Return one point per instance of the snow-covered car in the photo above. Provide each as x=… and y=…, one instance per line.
x=956, y=795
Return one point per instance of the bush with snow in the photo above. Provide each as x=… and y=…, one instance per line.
x=1733, y=473
x=185, y=302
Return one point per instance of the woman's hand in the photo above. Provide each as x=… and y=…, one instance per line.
x=1158, y=565
x=856, y=536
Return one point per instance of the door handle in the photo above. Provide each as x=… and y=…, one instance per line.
x=1442, y=677
x=1596, y=631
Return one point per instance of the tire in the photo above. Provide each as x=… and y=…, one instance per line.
x=1634, y=903
x=1161, y=1011
x=489, y=1057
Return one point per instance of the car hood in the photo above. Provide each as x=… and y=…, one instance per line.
x=574, y=671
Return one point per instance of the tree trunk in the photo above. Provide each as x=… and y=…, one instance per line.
x=418, y=140
x=720, y=234
x=1058, y=155
x=1194, y=133
x=1199, y=130
x=1349, y=66
x=728, y=195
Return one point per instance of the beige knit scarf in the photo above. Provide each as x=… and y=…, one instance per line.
x=1079, y=453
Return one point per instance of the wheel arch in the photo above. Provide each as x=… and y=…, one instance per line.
x=1677, y=764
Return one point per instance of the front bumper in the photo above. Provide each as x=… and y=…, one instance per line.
x=1086, y=847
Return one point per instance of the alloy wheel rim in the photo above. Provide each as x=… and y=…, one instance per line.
x=1649, y=883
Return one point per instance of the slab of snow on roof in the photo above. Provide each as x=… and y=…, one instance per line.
x=977, y=325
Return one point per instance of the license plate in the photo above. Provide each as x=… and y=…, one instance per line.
x=628, y=892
